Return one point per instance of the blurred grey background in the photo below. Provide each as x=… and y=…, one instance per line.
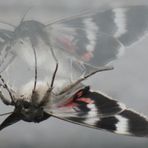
x=127, y=83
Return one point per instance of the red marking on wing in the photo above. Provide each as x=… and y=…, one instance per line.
x=68, y=44
x=86, y=100
x=69, y=104
x=79, y=94
x=87, y=56
x=77, y=97
x=72, y=104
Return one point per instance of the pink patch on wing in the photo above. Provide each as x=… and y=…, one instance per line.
x=79, y=94
x=86, y=100
x=72, y=104
x=87, y=56
x=68, y=44
x=69, y=104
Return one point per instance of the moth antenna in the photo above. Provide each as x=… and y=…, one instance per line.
x=25, y=14
x=68, y=18
x=57, y=64
x=5, y=23
x=54, y=75
x=52, y=51
x=35, y=68
x=4, y=114
x=48, y=92
x=7, y=88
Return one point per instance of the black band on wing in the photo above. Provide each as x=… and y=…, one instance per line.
x=127, y=122
x=103, y=105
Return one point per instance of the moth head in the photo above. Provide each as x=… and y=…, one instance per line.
x=29, y=112
x=25, y=111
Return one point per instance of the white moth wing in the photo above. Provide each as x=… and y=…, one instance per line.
x=6, y=55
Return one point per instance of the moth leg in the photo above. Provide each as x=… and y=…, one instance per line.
x=35, y=68
x=105, y=68
x=5, y=101
x=56, y=62
x=48, y=92
x=8, y=90
x=52, y=51
x=71, y=69
x=34, y=97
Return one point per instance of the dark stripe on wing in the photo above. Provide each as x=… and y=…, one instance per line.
x=108, y=123
x=137, y=124
x=99, y=38
x=104, y=105
x=94, y=110
x=127, y=123
x=105, y=21
x=106, y=50
x=136, y=18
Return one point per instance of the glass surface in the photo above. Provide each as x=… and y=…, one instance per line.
x=127, y=82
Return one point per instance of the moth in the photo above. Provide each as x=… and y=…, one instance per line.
x=85, y=44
